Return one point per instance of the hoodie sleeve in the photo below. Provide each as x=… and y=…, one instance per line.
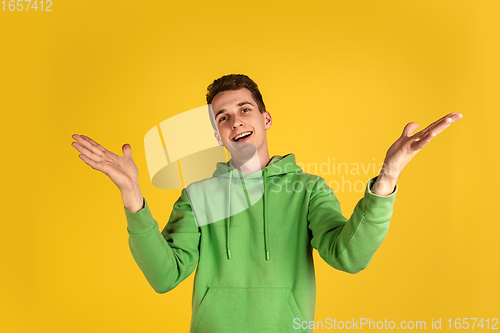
x=348, y=245
x=165, y=258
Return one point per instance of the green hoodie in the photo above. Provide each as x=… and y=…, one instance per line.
x=254, y=247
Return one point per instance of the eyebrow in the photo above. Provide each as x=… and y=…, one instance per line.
x=239, y=104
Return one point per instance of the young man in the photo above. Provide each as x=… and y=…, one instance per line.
x=251, y=227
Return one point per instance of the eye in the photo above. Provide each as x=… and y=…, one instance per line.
x=245, y=109
x=222, y=118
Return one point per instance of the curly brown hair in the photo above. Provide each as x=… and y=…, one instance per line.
x=235, y=82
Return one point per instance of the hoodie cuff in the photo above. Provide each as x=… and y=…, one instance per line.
x=141, y=221
x=378, y=207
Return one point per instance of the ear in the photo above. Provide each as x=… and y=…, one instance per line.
x=217, y=136
x=268, y=120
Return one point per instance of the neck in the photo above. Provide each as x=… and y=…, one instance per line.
x=258, y=161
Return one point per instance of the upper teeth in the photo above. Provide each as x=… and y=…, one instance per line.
x=242, y=135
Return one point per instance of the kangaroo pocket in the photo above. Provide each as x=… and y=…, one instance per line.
x=229, y=310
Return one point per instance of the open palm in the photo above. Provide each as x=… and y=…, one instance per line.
x=120, y=169
x=408, y=145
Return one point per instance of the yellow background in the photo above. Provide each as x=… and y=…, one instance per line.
x=340, y=78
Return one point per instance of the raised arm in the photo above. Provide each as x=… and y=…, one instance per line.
x=348, y=245
x=165, y=258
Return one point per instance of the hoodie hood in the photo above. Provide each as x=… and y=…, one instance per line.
x=243, y=191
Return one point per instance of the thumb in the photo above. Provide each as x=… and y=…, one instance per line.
x=409, y=129
x=127, y=150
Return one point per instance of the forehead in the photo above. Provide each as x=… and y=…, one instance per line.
x=230, y=98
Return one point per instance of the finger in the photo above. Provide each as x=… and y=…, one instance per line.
x=84, y=142
x=127, y=150
x=90, y=145
x=409, y=129
x=88, y=153
x=421, y=143
x=454, y=116
x=444, y=123
x=424, y=137
x=93, y=142
x=93, y=164
x=421, y=134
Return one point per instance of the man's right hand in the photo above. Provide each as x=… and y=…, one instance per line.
x=120, y=169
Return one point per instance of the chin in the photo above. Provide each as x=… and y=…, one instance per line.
x=241, y=150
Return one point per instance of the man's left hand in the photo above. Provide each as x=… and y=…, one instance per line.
x=405, y=148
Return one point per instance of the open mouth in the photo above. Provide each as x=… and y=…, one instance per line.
x=242, y=136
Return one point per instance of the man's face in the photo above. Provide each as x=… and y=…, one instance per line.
x=236, y=113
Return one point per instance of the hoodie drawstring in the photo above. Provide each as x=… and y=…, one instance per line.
x=264, y=204
x=228, y=219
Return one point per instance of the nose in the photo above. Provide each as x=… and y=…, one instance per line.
x=237, y=122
